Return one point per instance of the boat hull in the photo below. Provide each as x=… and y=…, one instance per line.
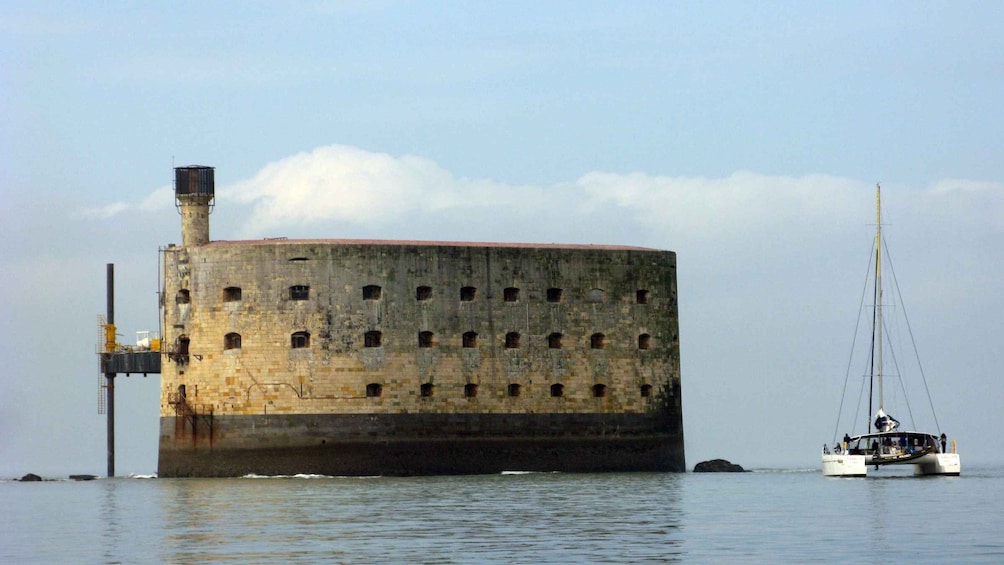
x=844, y=465
x=938, y=464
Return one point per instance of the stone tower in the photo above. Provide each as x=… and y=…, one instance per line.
x=194, y=194
x=368, y=357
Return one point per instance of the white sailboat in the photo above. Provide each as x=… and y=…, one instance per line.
x=885, y=443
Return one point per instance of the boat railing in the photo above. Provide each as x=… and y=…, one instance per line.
x=889, y=448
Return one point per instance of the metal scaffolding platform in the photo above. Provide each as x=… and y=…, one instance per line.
x=130, y=362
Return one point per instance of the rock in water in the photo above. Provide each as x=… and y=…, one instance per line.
x=30, y=478
x=718, y=466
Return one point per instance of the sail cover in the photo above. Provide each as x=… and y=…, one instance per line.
x=885, y=423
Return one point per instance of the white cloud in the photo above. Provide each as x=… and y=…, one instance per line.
x=961, y=203
x=383, y=193
x=964, y=185
x=348, y=185
x=725, y=207
x=160, y=199
x=104, y=212
x=344, y=183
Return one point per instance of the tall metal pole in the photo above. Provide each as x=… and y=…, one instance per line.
x=110, y=377
x=878, y=288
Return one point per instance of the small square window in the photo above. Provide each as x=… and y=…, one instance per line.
x=299, y=292
x=644, y=341
x=512, y=340
x=554, y=341
x=554, y=294
x=470, y=339
x=468, y=293
x=232, y=341
x=597, y=341
x=426, y=339
x=299, y=340
x=423, y=293
x=511, y=294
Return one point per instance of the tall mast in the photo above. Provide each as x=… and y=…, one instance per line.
x=878, y=287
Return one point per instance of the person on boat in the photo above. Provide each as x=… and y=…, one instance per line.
x=847, y=441
x=875, y=446
x=944, y=442
x=826, y=449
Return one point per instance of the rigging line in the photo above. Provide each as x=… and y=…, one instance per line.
x=876, y=297
x=850, y=358
x=913, y=343
x=899, y=377
x=896, y=302
x=857, y=409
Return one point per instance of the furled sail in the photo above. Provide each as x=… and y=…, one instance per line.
x=884, y=422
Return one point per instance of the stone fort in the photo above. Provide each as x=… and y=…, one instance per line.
x=361, y=357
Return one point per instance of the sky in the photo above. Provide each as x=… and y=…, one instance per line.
x=747, y=137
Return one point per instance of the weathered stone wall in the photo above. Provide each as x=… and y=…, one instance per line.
x=266, y=375
x=421, y=444
x=194, y=210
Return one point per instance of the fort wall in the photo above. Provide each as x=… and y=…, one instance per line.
x=344, y=357
x=318, y=327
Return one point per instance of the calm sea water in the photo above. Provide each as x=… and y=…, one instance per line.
x=759, y=517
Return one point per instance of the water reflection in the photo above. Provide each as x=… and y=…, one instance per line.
x=787, y=517
x=109, y=521
x=511, y=518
